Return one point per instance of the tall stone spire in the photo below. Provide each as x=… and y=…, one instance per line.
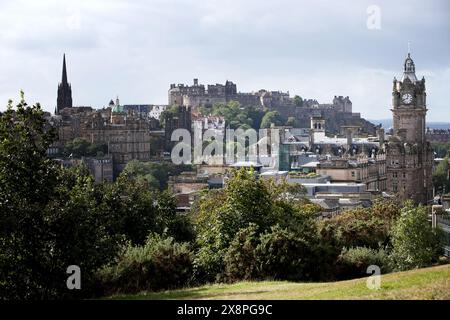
x=64, y=71
x=64, y=99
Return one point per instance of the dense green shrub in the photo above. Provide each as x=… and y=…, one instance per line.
x=220, y=214
x=356, y=228
x=135, y=211
x=284, y=255
x=159, y=264
x=240, y=258
x=414, y=243
x=353, y=262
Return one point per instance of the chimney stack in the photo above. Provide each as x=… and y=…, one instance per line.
x=380, y=134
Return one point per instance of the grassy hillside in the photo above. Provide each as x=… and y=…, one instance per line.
x=427, y=283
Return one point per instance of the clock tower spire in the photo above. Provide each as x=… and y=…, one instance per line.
x=409, y=104
x=409, y=156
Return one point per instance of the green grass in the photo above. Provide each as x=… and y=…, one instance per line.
x=427, y=283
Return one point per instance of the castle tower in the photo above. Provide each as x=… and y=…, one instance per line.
x=409, y=156
x=64, y=99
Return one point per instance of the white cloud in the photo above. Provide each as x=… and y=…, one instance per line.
x=137, y=48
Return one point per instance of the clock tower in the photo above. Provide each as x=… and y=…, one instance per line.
x=409, y=104
x=409, y=156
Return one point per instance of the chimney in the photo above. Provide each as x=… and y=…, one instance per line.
x=195, y=82
x=380, y=134
x=349, y=136
x=349, y=132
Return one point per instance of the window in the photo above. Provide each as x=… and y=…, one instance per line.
x=353, y=174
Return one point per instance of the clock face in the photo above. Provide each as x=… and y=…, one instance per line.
x=407, y=98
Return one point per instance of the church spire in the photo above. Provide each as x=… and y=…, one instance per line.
x=64, y=99
x=64, y=70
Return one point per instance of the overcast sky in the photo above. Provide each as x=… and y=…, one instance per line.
x=135, y=49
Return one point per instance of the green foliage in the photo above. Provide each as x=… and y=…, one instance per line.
x=356, y=228
x=441, y=180
x=298, y=101
x=442, y=148
x=240, y=258
x=48, y=215
x=160, y=264
x=284, y=255
x=271, y=117
x=236, y=116
x=80, y=147
x=353, y=262
x=154, y=174
x=292, y=122
x=220, y=214
x=415, y=244
x=136, y=211
x=52, y=217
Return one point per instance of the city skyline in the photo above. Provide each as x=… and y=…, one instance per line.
x=114, y=49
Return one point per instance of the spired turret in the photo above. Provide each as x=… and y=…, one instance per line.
x=409, y=69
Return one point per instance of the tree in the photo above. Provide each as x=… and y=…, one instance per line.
x=80, y=147
x=355, y=228
x=414, y=243
x=291, y=122
x=285, y=255
x=442, y=148
x=441, y=180
x=271, y=117
x=220, y=214
x=298, y=101
x=155, y=175
x=49, y=216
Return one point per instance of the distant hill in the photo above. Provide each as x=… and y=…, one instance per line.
x=387, y=123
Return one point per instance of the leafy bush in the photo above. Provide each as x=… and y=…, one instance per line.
x=240, y=258
x=159, y=264
x=353, y=262
x=415, y=244
x=283, y=255
x=356, y=228
x=220, y=214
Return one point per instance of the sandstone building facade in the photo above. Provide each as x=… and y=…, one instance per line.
x=126, y=135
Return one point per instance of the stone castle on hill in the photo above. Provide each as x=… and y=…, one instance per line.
x=337, y=114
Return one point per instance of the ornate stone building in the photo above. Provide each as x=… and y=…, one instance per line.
x=126, y=134
x=409, y=156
